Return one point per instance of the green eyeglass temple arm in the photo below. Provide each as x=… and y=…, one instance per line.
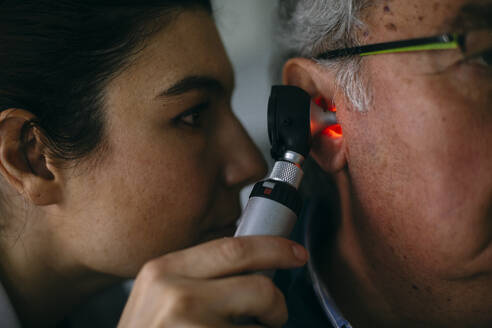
x=440, y=42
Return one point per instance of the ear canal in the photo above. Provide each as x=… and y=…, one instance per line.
x=332, y=130
x=33, y=149
x=321, y=102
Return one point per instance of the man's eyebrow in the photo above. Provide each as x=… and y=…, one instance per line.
x=472, y=16
x=190, y=83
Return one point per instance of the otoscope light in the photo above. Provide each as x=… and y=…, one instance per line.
x=323, y=119
x=333, y=131
x=321, y=102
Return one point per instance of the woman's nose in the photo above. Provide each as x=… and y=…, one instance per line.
x=244, y=163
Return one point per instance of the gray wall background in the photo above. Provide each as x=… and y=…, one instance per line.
x=247, y=32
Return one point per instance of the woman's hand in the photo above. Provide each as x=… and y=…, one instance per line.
x=200, y=286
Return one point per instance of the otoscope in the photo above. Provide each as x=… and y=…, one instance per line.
x=274, y=203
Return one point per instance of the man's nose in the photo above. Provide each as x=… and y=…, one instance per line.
x=244, y=163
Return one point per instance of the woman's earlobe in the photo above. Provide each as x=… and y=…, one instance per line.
x=23, y=161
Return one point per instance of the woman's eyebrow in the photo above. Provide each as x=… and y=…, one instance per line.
x=192, y=83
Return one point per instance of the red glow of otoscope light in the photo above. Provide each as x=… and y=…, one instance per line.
x=321, y=102
x=335, y=130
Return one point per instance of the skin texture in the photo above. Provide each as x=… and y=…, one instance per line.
x=185, y=176
x=166, y=181
x=413, y=171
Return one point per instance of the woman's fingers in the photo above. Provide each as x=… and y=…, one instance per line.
x=228, y=256
x=196, y=287
x=251, y=296
x=176, y=301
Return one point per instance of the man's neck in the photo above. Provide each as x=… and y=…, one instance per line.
x=343, y=269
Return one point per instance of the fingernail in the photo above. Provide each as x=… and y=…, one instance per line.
x=300, y=252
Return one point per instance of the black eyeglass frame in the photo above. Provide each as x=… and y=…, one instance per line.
x=438, y=42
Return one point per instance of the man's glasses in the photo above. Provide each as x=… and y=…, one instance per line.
x=472, y=45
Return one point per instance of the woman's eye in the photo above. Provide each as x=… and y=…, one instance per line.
x=191, y=119
x=193, y=116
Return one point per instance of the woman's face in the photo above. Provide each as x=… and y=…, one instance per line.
x=176, y=160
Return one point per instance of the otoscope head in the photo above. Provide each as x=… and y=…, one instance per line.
x=289, y=120
x=293, y=119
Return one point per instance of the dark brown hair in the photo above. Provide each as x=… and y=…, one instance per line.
x=57, y=56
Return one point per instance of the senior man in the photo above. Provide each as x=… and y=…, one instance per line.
x=413, y=166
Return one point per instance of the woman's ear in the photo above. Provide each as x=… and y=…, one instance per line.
x=23, y=159
x=328, y=147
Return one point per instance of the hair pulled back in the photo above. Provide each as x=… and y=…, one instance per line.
x=57, y=56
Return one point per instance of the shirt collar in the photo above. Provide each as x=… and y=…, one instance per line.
x=8, y=317
x=312, y=235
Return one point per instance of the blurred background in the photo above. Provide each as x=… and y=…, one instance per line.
x=247, y=32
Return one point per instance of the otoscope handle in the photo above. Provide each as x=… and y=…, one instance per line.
x=274, y=205
x=272, y=209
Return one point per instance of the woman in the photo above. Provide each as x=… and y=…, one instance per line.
x=119, y=150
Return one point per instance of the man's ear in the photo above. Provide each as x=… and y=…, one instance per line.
x=328, y=148
x=23, y=159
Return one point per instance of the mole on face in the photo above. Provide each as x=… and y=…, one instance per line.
x=391, y=27
x=386, y=9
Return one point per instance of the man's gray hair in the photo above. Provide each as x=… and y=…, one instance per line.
x=309, y=27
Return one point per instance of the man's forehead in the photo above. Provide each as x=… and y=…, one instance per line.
x=419, y=18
